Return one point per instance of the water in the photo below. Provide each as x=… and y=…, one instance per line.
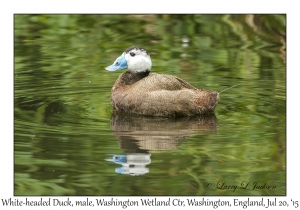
x=68, y=140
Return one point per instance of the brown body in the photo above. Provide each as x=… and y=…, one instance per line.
x=160, y=95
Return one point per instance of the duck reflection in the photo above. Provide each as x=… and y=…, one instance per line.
x=139, y=135
x=132, y=164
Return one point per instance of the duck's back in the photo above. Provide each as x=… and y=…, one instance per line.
x=160, y=95
x=157, y=82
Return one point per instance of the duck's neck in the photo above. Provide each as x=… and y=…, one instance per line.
x=129, y=78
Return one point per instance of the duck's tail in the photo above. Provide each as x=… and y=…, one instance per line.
x=228, y=88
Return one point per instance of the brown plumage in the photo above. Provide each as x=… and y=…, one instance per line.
x=160, y=95
x=146, y=93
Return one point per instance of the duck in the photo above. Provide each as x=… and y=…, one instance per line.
x=138, y=91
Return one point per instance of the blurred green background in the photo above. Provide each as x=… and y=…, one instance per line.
x=64, y=126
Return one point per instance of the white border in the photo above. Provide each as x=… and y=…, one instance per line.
x=9, y=7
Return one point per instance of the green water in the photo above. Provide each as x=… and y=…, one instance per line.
x=65, y=130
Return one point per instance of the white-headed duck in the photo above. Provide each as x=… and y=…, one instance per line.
x=141, y=92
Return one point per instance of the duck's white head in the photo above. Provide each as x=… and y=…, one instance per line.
x=135, y=59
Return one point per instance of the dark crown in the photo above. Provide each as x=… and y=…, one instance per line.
x=135, y=47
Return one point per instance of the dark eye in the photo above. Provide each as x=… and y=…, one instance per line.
x=117, y=63
x=132, y=54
